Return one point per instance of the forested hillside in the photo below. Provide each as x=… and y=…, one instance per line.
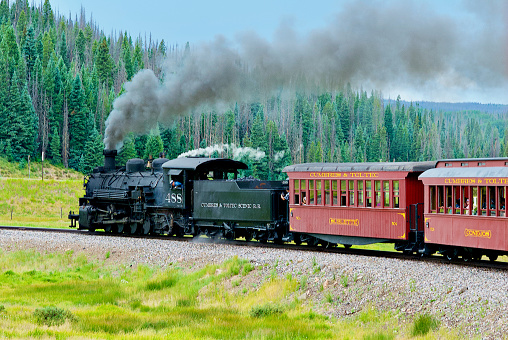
x=59, y=77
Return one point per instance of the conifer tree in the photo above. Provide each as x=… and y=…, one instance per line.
x=54, y=152
x=153, y=145
x=92, y=156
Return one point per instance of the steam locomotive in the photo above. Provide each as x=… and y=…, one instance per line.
x=453, y=207
x=183, y=196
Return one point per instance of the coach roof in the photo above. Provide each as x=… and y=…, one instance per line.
x=200, y=163
x=344, y=167
x=484, y=172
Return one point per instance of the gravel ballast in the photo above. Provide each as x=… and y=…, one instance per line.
x=471, y=300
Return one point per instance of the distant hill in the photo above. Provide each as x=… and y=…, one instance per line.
x=454, y=107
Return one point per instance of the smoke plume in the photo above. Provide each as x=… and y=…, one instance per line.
x=231, y=150
x=374, y=44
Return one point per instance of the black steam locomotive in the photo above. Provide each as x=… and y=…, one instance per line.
x=183, y=196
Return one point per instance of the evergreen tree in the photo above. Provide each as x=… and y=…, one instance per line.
x=388, y=120
x=92, y=156
x=78, y=130
x=54, y=152
x=80, y=47
x=153, y=145
x=126, y=56
x=104, y=63
x=30, y=51
x=128, y=151
x=63, y=49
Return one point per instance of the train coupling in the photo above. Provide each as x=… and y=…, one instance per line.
x=73, y=218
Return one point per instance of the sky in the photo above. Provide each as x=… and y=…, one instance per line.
x=468, y=76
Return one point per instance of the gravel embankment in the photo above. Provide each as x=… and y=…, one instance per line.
x=469, y=299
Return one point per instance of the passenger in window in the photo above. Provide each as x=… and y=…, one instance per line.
x=457, y=204
x=285, y=197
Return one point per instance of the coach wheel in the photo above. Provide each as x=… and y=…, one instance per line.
x=467, y=258
x=451, y=255
x=297, y=239
x=248, y=236
x=312, y=241
x=347, y=246
x=492, y=257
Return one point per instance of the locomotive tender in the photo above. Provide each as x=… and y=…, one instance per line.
x=453, y=207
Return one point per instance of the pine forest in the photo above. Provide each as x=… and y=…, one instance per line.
x=59, y=78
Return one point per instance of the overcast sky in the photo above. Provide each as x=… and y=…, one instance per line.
x=198, y=21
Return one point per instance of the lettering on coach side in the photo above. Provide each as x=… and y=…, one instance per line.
x=344, y=221
x=478, y=233
x=345, y=174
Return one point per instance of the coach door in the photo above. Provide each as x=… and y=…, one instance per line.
x=415, y=219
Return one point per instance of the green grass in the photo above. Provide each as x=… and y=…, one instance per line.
x=66, y=295
x=37, y=203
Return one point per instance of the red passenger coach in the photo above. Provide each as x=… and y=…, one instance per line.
x=465, y=212
x=356, y=203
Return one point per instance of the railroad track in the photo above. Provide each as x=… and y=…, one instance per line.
x=337, y=250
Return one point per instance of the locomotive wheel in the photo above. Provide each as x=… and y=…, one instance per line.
x=146, y=227
x=107, y=228
x=347, y=246
x=119, y=228
x=133, y=228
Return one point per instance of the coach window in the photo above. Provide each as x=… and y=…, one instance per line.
x=318, y=192
x=432, y=197
x=440, y=199
x=377, y=192
x=456, y=200
x=466, y=201
x=501, y=198
x=311, y=192
x=386, y=193
x=449, y=200
x=368, y=193
x=483, y=202
x=360, y=193
x=395, y=194
x=343, y=193
x=327, y=193
x=334, y=192
x=474, y=198
x=492, y=201
x=351, y=192
x=296, y=189
x=303, y=190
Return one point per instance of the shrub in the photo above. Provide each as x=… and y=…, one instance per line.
x=247, y=268
x=265, y=310
x=52, y=316
x=423, y=324
x=2, y=308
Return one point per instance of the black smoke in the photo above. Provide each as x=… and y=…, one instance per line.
x=374, y=44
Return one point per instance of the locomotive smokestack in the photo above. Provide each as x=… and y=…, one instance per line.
x=109, y=160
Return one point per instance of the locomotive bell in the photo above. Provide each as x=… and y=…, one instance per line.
x=109, y=160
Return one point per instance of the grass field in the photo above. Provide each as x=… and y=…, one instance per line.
x=66, y=295
x=35, y=202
